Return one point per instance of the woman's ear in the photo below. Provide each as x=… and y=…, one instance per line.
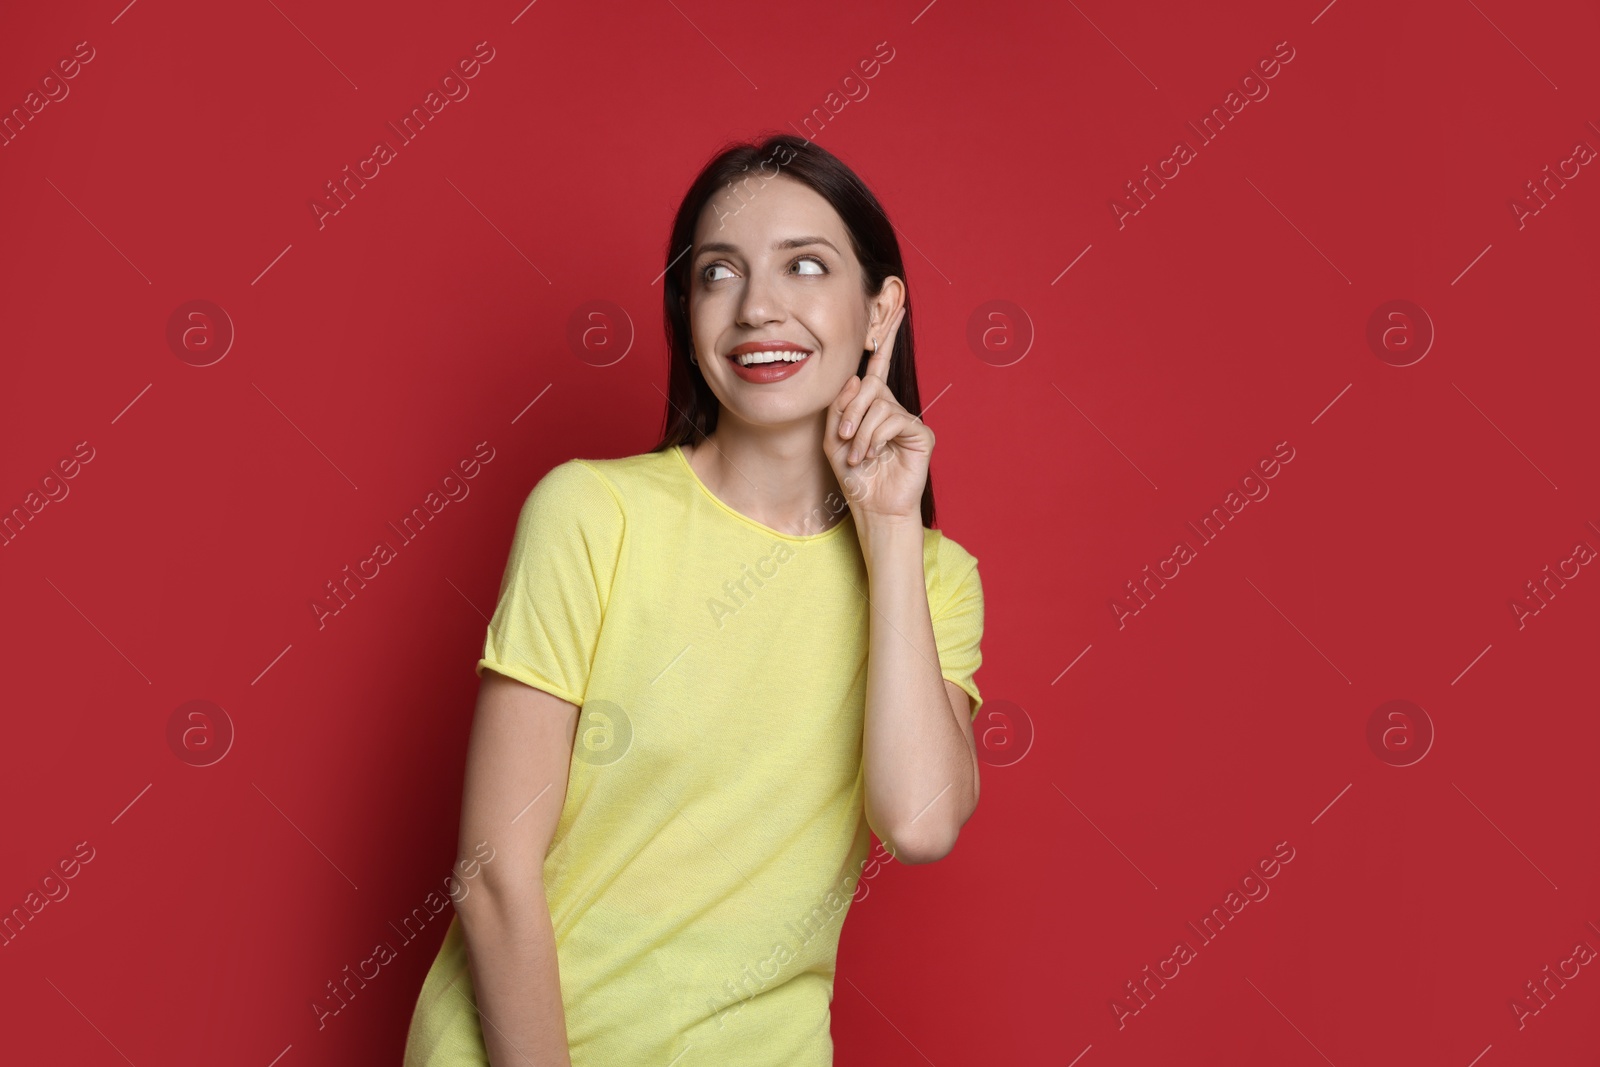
x=891, y=294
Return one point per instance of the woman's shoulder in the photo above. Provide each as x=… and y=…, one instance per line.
x=951, y=570
x=942, y=549
x=955, y=591
x=590, y=478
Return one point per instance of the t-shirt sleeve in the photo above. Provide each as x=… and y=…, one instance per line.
x=956, y=608
x=557, y=581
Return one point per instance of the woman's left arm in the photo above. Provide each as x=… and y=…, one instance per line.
x=920, y=764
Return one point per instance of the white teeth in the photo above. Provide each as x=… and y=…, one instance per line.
x=787, y=356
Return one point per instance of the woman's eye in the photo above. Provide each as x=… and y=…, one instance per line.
x=706, y=276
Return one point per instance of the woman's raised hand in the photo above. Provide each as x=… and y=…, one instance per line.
x=879, y=451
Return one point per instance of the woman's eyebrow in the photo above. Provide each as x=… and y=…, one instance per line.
x=787, y=242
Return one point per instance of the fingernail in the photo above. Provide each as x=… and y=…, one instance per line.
x=845, y=427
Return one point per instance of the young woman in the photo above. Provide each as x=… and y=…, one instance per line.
x=716, y=665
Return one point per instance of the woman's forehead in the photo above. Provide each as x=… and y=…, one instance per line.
x=753, y=217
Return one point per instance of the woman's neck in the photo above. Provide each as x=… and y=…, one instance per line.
x=784, y=483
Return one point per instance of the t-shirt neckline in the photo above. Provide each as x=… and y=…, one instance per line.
x=677, y=450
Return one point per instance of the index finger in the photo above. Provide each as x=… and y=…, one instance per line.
x=878, y=364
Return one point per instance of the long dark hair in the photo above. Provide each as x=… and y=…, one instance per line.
x=692, y=407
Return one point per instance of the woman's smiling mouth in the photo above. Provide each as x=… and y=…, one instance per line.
x=767, y=361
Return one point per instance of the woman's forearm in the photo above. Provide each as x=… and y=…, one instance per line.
x=511, y=948
x=917, y=767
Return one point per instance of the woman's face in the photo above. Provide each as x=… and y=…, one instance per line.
x=776, y=265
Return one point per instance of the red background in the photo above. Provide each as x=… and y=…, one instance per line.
x=374, y=352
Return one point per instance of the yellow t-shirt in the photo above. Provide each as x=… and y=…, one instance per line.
x=713, y=832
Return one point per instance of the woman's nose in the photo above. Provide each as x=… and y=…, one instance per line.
x=760, y=302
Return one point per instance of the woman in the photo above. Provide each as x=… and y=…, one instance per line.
x=771, y=651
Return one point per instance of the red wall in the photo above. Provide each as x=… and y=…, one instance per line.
x=1108, y=370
